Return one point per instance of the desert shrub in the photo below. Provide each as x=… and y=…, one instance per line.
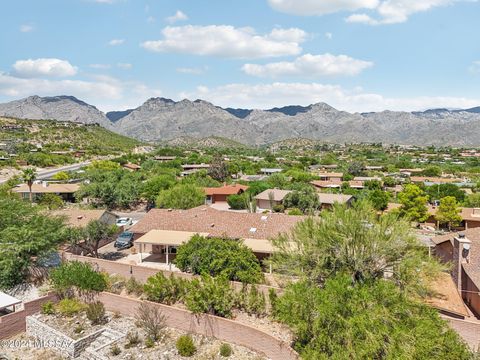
x=132, y=339
x=70, y=307
x=273, y=299
x=164, y=290
x=48, y=308
x=237, y=202
x=210, y=296
x=250, y=300
x=114, y=283
x=295, y=211
x=149, y=343
x=225, y=350
x=77, y=276
x=278, y=208
x=78, y=329
x=185, y=346
x=115, y=350
x=219, y=257
x=51, y=201
x=96, y=313
x=151, y=320
x=133, y=287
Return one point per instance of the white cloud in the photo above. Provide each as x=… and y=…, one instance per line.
x=107, y=93
x=310, y=65
x=322, y=7
x=388, y=11
x=264, y=96
x=100, y=66
x=25, y=28
x=329, y=35
x=228, y=42
x=192, y=71
x=124, y=66
x=178, y=16
x=116, y=42
x=32, y=68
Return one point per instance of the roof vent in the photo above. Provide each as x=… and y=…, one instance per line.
x=212, y=225
x=264, y=218
x=461, y=235
x=253, y=230
x=79, y=217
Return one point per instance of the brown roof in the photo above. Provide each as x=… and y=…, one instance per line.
x=325, y=184
x=50, y=188
x=132, y=166
x=226, y=189
x=204, y=219
x=79, y=218
x=277, y=194
x=330, y=174
x=334, y=198
x=434, y=179
x=446, y=296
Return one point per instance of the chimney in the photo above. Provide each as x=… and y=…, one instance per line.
x=44, y=184
x=461, y=255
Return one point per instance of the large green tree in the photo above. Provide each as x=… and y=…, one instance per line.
x=181, y=196
x=448, y=212
x=26, y=234
x=414, y=203
x=89, y=238
x=29, y=176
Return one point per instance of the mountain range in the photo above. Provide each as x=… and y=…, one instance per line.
x=160, y=119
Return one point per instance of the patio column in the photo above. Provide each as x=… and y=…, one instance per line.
x=167, y=254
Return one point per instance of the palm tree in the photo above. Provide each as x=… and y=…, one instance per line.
x=29, y=176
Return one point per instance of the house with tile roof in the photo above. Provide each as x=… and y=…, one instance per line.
x=220, y=194
x=65, y=191
x=269, y=198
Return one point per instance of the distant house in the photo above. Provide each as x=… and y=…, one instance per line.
x=219, y=194
x=80, y=218
x=270, y=171
x=328, y=200
x=65, y=191
x=269, y=198
x=323, y=184
x=331, y=176
x=189, y=169
x=131, y=167
x=253, y=177
x=164, y=158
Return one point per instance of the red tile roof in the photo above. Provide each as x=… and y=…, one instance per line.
x=226, y=190
x=218, y=223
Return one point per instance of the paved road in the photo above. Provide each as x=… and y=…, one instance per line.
x=47, y=173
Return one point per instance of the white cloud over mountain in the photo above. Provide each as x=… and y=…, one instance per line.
x=227, y=41
x=310, y=65
x=178, y=16
x=51, y=67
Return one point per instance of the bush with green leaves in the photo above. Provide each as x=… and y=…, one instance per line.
x=75, y=276
x=226, y=350
x=295, y=212
x=210, y=295
x=132, y=339
x=165, y=290
x=69, y=307
x=115, y=350
x=95, y=313
x=250, y=300
x=48, y=308
x=185, y=346
x=370, y=320
x=219, y=257
x=132, y=286
x=51, y=201
x=237, y=202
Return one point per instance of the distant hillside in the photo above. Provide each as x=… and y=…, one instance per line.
x=21, y=135
x=61, y=108
x=208, y=142
x=161, y=120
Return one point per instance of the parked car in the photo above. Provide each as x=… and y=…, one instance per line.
x=124, y=241
x=124, y=221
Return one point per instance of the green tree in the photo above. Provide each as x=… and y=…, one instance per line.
x=437, y=192
x=432, y=170
x=306, y=199
x=51, y=201
x=355, y=241
x=153, y=186
x=379, y=199
x=414, y=203
x=61, y=176
x=75, y=276
x=26, y=234
x=371, y=320
x=219, y=257
x=448, y=212
x=90, y=237
x=473, y=200
x=181, y=196
x=29, y=176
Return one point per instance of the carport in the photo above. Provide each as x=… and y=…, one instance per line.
x=7, y=303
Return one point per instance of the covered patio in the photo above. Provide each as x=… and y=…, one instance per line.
x=8, y=304
x=161, y=245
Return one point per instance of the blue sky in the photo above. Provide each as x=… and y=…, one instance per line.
x=356, y=55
